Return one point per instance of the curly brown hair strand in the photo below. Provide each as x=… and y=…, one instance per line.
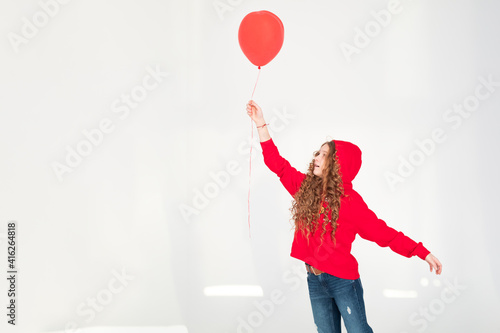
x=307, y=207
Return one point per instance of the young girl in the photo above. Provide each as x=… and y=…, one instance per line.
x=328, y=214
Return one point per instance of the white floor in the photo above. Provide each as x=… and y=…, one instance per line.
x=128, y=329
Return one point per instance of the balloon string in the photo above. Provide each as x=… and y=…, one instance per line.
x=255, y=84
x=250, y=167
x=249, y=179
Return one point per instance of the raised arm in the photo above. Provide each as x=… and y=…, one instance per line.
x=288, y=175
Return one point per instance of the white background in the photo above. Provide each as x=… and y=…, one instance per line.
x=119, y=211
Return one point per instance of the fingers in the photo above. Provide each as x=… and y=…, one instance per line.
x=439, y=267
x=253, y=104
x=250, y=113
x=252, y=107
x=436, y=265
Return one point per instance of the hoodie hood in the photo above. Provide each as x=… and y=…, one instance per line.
x=349, y=157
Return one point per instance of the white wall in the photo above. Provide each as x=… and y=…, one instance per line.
x=118, y=212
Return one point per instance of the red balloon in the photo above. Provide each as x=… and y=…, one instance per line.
x=261, y=36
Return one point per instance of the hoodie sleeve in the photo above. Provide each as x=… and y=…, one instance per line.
x=370, y=227
x=289, y=176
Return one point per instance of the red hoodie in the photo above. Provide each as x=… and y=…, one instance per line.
x=354, y=218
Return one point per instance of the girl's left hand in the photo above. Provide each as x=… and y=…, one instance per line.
x=434, y=263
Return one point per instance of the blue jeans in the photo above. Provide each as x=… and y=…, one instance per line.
x=333, y=297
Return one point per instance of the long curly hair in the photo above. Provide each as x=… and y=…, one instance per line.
x=307, y=206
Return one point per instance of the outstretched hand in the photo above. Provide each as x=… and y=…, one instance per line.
x=434, y=263
x=255, y=112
